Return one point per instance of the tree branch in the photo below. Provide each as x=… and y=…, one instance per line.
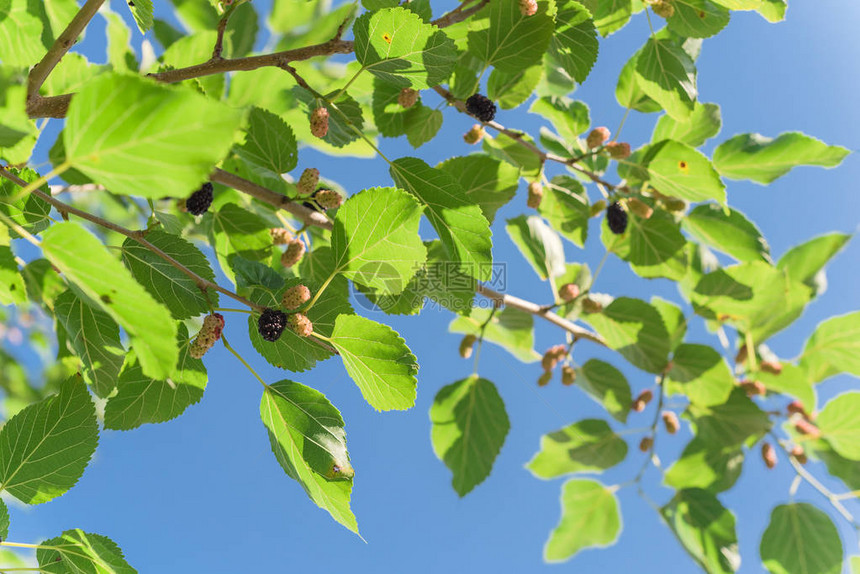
x=66, y=209
x=279, y=200
x=62, y=45
x=459, y=13
x=535, y=309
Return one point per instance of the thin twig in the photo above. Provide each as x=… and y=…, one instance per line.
x=459, y=13
x=67, y=209
x=535, y=309
x=63, y=44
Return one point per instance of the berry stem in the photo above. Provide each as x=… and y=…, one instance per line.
x=653, y=432
x=242, y=360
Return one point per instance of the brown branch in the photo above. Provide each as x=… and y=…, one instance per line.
x=518, y=136
x=63, y=44
x=219, y=40
x=279, y=200
x=459, y=13
x=66, y=209
x=535, y=309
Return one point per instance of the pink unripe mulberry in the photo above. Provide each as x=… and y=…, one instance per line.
x=209, y=334
x=568, y=375
x=618, y=150
x=280, y=235
x=535, y=194
x=552, y=356
x=799, y=454
x=293, y=254
x=474, y=135
x=768, y=454
x=528, y=7
x=407, y=97
x=295, y=297
x=300, y=324
x=319, y=122
x=597, y=137
x=805, y=427
x=308, y=181
x=568, y=292
x=772, y=367
x=328, y=199
x=467, y=345
x=670, y=421
x=642, y=400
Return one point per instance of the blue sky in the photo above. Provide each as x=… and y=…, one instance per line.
x=204, y=493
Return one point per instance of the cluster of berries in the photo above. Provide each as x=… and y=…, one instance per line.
x=209, y=334
x=550, y=360
x=272, y=322
x=599, y=136
x=325, y=198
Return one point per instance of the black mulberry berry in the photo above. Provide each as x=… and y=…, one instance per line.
x=271, y=324
x=481, y=107
x=199, y=201
x=616, y=217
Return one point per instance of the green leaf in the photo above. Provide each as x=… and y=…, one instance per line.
x=94, y=336
x=119, y=55
x=141, y=10
x=565, y=206
x=840, y=426
x=509, y=328
x=801, y=539
x=673, y=319
x=345, y=122
x=539, y=244
x=654, y=247
x=12, y=288
x=697, y=18
x=241, y=33
x=701, y=374
x=236, y=232
x=586, y=446
x=269, y=142
x=423, y=125
x=629, y=93
x=79, y=552
x=166, y=283
x=705, y=529
x=378, y=360
x=514, y=153
x=308, y=439
x=290, y=351
x=462, y=227
x=771, y=10
x=636, y=330
x=383, y=256
x=667, y=74
x=833, y=348
x=731, y=423
x=393, y=120
x=704, y=465
x=141, y=399
x=607, y=385
x=20, y=34
x=753, y=296
x=574, y=44
x=679, y=170
x=510, y=41
x=89, y=265
x=190, y=51
x=610, y=15
x=792, y=381
x=46, y=447
x=397, y=46
x=733, y=234
x=802, y=263
x=30, y=212
x=846, y=470
x=703, y=124
x=486, y=181
x=589, y=518
x=469, y=428
x=762, y=159
x=154, y=137
x=4, y=521
x=511, y=90
x=569, y=118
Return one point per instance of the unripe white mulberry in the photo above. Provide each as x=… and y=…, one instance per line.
x=474, y=135
x=407, y=97
x=528, y=7
x=568, y=292
x=535, y=194
x=295, y=297
x=597, y=137
x=280, y=235
x=319, y=122
x=308, y=181
x=300, y=324
x=293, y=254
x=467, y=345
